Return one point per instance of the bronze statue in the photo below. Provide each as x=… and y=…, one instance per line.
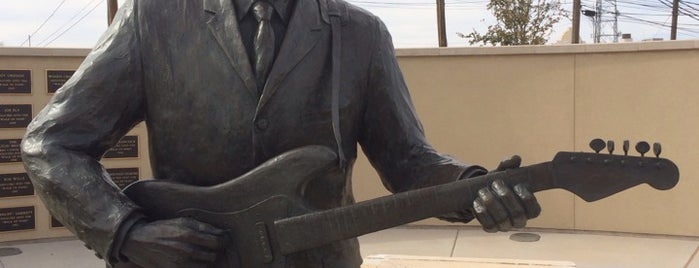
x=186, y=68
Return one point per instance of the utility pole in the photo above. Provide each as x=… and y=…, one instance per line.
x=441, y=24
x=675, y=14
x=576, y=22
x=112, y=7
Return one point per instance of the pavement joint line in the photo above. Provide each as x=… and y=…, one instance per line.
x=453, y=246
x=691, y=258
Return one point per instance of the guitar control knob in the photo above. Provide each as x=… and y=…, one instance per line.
x=597, y=145
x=626, y=147
x=642, y=148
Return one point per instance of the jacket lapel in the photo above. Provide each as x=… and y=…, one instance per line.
x=301, y=36
x=223, y=24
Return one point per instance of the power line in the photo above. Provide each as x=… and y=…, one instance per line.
x=602, y=20
x=452, y=5
x=66, y=23
x=661, y=24
x=79, y=20
x=43, y=23
x=643, y=12
x=683, y=10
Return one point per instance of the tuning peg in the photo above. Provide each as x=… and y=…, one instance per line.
x=642, y=147
x=626, y=147
x=610, y=146
x=597, y=145
x=657, y=149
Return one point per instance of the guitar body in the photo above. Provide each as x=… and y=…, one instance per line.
x=246, y=207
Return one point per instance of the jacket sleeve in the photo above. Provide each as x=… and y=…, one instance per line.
x=88, y=115
x=392, y=136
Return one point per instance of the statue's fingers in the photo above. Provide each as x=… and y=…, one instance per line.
x=192, y=264
x=516, y=212
x=495, y=209
x=531, y=205
x=201, y=226
x=208, y=241
x=203, y=256
x=188, y=253
x=481, y=213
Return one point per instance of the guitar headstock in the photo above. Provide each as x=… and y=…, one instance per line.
x=593, y=176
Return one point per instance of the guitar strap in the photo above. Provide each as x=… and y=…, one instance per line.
x=335, y=13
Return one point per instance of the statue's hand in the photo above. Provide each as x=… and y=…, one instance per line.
x=174, y=243
x=501, y=207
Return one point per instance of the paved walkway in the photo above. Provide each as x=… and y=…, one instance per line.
x=586, y=250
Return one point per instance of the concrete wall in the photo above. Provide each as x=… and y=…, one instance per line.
x=482, y=104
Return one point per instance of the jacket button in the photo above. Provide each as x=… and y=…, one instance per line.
x=262, y=124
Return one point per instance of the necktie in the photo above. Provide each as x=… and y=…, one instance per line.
x=264, y=42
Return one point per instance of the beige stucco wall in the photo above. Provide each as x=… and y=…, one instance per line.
x=482, y=104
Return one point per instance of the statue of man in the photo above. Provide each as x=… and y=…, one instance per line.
x=224, y=85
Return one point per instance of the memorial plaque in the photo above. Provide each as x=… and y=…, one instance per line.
x=16, y=81
x=126, y=147
x=15, y=219
x=17, y=184
x=56, y=79
x=15, y=115
x=123, y=176
x=55, y=223
x=9, y=151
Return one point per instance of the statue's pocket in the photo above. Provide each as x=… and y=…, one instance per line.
x=323, y=117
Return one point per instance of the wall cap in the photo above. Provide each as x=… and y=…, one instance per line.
x=552, y=49
x=44, y=52
x=449, y=51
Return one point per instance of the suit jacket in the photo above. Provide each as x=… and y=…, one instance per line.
x=180, y=65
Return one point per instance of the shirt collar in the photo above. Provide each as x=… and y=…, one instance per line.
x=282, y=7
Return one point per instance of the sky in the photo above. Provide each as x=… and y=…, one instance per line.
x=412, y=23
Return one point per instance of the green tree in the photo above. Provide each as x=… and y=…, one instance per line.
x=519, y=22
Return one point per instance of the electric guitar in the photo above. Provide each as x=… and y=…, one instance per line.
x=268, y=218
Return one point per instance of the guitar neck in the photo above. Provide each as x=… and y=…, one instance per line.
x=318, y=228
